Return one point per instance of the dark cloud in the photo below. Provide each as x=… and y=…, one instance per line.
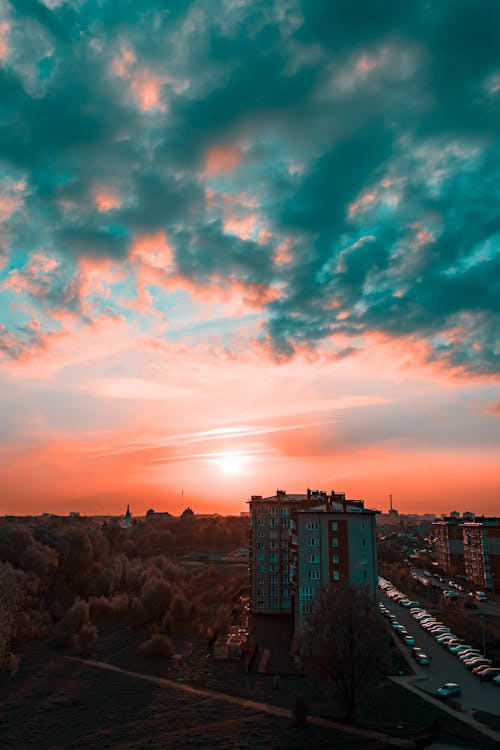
x=367, y=137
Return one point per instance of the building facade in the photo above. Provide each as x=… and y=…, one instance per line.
x=482, y=552
x=269, y=551
x=449, y=541
x=331, y=544
x=301, y=543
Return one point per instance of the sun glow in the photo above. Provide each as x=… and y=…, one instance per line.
x=232, y=462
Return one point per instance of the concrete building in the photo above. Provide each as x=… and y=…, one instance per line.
x=481, y=539
x=450, y=543
x=300, y=543
x=331, y=544
x=269, y=550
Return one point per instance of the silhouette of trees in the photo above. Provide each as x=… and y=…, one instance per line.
x=72, y=575
x=346, y=642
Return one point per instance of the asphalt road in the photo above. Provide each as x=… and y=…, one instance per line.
x=444, y=667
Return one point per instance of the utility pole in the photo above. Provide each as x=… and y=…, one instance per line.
x=481, y=617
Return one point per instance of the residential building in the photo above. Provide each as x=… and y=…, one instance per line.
x=482, y=552
x=269, y=552
x=331, y=544
x=300, y=543
x=450, y=543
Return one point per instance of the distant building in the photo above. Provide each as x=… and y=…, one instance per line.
x=482, y=552
x=301, y=543
x=450, y=543
x=187, y=513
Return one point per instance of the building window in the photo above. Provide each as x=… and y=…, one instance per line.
x=260, y=534
x=363, y=541
x=260, y=545
x=335, y=559
x=260, y=581
x=305, y=593
x=364, y=560
x=363, y=525
x=260, y=556
x=335, y=542
x=334, y=525
x=305, y=607
x=336, y=575
x=313, y=574
x=365, y=575
x=312, y=525
x=313, y=541
x=260, y=605
x=313, y=558
x=260, y=569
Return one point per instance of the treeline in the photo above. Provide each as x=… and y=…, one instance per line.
x=64, y=577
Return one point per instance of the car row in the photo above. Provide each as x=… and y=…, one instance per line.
x=472, y=658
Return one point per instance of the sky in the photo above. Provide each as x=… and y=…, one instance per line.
x=248, y=245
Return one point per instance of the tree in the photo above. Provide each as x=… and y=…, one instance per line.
x=346, y=641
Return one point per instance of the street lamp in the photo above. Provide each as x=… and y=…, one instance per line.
x=481, y=617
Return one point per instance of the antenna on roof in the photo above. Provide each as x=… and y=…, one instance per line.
x=390, y=501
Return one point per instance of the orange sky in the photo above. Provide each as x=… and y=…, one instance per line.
x=139, y=424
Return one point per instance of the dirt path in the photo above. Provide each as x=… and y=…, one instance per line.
x=268, y=708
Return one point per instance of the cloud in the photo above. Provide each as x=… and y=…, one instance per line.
x=336, y=163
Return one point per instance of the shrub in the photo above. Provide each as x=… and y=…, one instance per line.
x=157, y=647
x=87, y=637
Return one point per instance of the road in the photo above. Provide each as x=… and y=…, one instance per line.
x=444, y=667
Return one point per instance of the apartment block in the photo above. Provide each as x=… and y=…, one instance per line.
x=450, y=543
x=300, y=543
x=482, y=552
x=331, y=544
x=269, y=550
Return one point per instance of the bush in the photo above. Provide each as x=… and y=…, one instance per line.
x=157, y=647
x=87, y=637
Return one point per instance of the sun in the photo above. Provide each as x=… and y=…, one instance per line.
x=232, y=462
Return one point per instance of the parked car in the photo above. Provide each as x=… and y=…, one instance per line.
x=449, y=689
x=472, y=654
x=496, y=680
x=422, y=659
x=481, y=596
x=471, y=663
x=458, y=649
x=490, y=673
x=409, y=640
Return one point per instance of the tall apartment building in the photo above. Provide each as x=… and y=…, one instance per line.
x=331, y=544
x=302, y=542
x=269, y=550
x=482, y=552
x=450, y=543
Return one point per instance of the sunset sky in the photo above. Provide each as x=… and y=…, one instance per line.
x=245, y=246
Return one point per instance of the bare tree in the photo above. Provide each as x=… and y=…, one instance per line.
x=347, y=642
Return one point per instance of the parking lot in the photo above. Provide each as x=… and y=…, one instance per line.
x=444, y=666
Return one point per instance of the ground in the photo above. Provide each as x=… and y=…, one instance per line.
x=59, y=704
